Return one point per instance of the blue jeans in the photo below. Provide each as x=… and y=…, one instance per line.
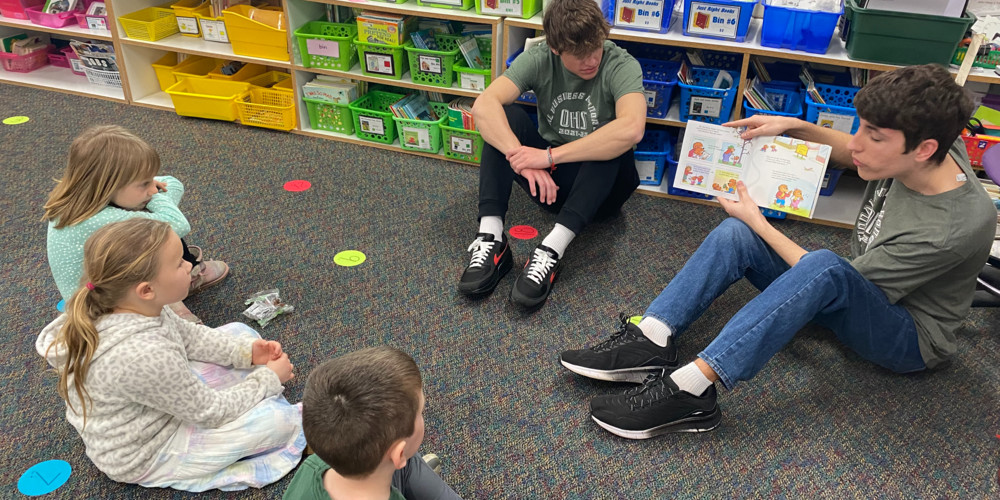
x=822, y=287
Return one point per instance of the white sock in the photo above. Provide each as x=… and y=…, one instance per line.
x=559, y=239
x=690, y=378
x=656, y=331
x=492, y=224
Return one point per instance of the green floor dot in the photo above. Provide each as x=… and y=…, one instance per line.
x=349, y=258
x=15, y=120
x=635, y=320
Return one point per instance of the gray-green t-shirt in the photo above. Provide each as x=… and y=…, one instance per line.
x=925, y=252
x=570, y=107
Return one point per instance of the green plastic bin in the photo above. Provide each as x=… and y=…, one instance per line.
x=461, y=144
x=901, y=38
x=422, y=135
x=385, y=61
x=331, y=116
x=327, y=45
x=372, y=118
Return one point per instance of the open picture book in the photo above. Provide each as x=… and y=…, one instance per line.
x=780, y=173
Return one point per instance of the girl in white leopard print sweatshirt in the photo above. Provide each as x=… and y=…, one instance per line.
x=160, y=401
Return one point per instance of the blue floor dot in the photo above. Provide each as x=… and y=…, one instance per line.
x=61, y=306
x=44, y=477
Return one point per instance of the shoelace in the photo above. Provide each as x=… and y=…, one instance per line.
x=480, y=251
x=541, y=264
x=653, y=389
x=617, y=338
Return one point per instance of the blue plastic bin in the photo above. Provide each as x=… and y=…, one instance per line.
x=617, y=11
x=783, y=75
x=656, y=146
x=719, y=19
x=839, y=101
x=659, y=79
x=702, y=95
x=798, y=29
x=671, y=172
x=792, y=103
x=830, y=181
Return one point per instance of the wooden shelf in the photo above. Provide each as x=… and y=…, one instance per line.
x=62, y=80
x=323, y=134
x=72, y=31
x=411, y=8
x=201, y=47
x=838, y=210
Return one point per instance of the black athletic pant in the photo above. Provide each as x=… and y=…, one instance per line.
x=586, y=189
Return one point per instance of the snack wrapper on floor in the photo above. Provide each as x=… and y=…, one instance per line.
x=266, y=305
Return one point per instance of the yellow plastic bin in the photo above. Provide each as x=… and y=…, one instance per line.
x=207, y=98
x=187, y=12
x=285, y=85
x=150, y=24
x=245, y=73
x=267, y=108
x=257, y=32
x=270, y=79
x=196, y=67
x=164, y=68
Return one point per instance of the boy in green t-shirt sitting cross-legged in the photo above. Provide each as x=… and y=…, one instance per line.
x=362, y=415
x=577, y=162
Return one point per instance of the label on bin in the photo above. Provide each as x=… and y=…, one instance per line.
x=501, y=7
x=650, y=98
x=446, y=2
x=843, y=123
x=712, y=19
x=371, y=125
x=419, y=138
x=429, y=64
x=76, y=64
x=705, y=106
x=379, y=63
x=214, y=31
x=187, y=25
x=472, y=81
x=97, y=23
x=646, y=170
x=640, y=14
x=461, y=145
x=317, y=47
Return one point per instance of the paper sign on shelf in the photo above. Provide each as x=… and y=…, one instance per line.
x=640, y=14
x=371, y=125
x=502, y=7
x=187, y=25
x=461, y=145
x=713, y=19
x=843, y=123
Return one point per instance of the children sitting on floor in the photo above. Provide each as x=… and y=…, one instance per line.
x=145, y=389
x=110, y=177
x=363, y=416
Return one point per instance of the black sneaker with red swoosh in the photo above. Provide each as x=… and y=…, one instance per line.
x=534, y=284
x=490, y=262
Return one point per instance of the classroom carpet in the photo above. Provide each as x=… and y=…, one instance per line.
x=508, y=421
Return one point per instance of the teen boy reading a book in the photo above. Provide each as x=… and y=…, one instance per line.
x=922, y=235
x=362, y=414
x=578, y=162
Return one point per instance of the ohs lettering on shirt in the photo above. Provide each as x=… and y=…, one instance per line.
x=573, y=114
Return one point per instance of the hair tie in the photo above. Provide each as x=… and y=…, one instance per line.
x=90, y=286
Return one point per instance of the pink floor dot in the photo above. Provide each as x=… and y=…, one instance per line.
x=523, y=232
x=297, y=185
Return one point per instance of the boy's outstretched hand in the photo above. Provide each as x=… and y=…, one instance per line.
x=745, y=209
x=265, y=350
x=759, y=124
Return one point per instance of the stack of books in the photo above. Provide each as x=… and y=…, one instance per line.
x=460, y=113
x=385, y=28
x=805, y=76
x=757, y=96
x=332, y=89
x=424, y=39
x=470, y=50
x=413, y=107
x=96, y=55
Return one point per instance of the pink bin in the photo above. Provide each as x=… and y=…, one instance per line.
x=24, y=64
x=14, y=9
x=59, y=20
x=90, y=21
